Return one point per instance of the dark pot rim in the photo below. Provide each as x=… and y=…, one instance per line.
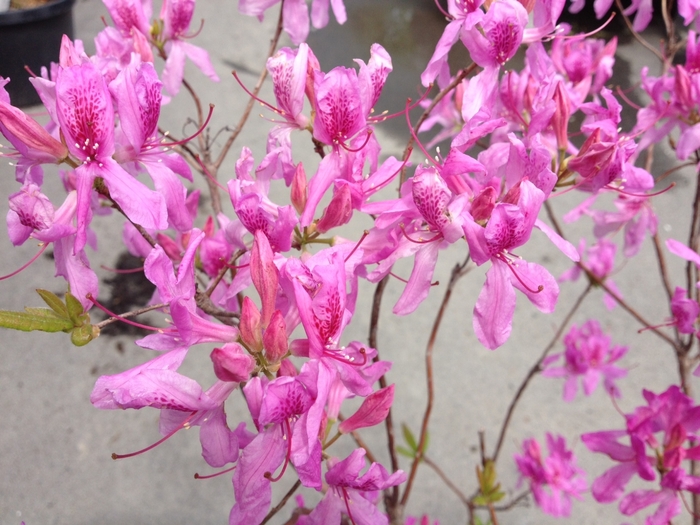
x=36, y=14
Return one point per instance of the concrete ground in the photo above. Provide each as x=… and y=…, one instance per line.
x=56, y=466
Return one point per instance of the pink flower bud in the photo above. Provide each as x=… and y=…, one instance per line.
x=483, y=204
x=373, y=410
x=28, y=137
x=299, y=190
x=232, y=363
x=560, y=119
x=251, y=331
x=275, y=338
x=338, y=212
x=265, y=275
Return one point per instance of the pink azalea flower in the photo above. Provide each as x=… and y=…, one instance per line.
x=176, y=16
x=352, y=493
x=657, y=449
x=509, y=227
x=496, y=38
x=296, y=14
x=588, y=356
x=553, y=480
x=86, y=116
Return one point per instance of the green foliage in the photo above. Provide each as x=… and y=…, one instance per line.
x=66, y=317
x=412, y=443
x=489, y=489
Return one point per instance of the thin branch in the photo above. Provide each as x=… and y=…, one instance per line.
x=282, y=502
x=447, y=481
x=636, y=35
x=457, y=272
x=601, y=283
x=256, y=90
x=537, y=367
x=662, y=266
x=391, y=495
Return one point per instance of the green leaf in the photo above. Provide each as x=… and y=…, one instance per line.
x=54, y=303
x=405, y=452
x=408, y=437
x=75, y=309
x=41, y=319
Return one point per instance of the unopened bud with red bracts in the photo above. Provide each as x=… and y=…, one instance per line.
x=265, y=275
x=338, y=212
x=299, y=189
x=483, y=204
x=28, y=137
x=275, y=338
x=562, y=113
x=232, y=363
x=249, y=327
x=373, y=411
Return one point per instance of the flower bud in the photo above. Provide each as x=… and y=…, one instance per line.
x=275, y=338
x=299, y=189
x=338, y=212
x=373, y=410
x=28, y=137
x=232, y=363
x=251, y=331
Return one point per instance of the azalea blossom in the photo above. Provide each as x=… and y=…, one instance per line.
x=588, y=356
x=553, y=480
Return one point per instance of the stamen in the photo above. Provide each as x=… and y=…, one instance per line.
x=199, y=131
x=154, y=445
x=288, y=429
x=621, y=191
x=624, y=97
x=415, y=137
x=364, y=236
x=269, y=106
x=586, y=35
x=435, y=283
x=128, y=321
x=440, y=8
x=351, y=150
x=438, y=236
x=347, y=505
x=336, y=354
x=209, y=476
x=520, y=280
x=122, y=271
x=209, y=175
x=41, y=250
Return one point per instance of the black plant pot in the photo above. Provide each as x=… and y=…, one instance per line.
x=32, y=38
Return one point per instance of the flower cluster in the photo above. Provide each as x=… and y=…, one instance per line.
x=273, y=287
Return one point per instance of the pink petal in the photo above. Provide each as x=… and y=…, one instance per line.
x=493, y=313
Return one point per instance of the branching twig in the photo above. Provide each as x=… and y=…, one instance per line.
x=457, y=272
x=258, y=86
x=447, y=481
x=534, y=370
x=282, y=502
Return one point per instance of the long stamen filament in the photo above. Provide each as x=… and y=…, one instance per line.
x=125, y=320
x=511, y=267
x=288, y=431
x=184, y=424
x=26, y=265
x=209, y=476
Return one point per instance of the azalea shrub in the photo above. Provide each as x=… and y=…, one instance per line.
x=272, y=285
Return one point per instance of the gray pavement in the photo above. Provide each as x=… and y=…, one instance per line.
x=55, y=467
